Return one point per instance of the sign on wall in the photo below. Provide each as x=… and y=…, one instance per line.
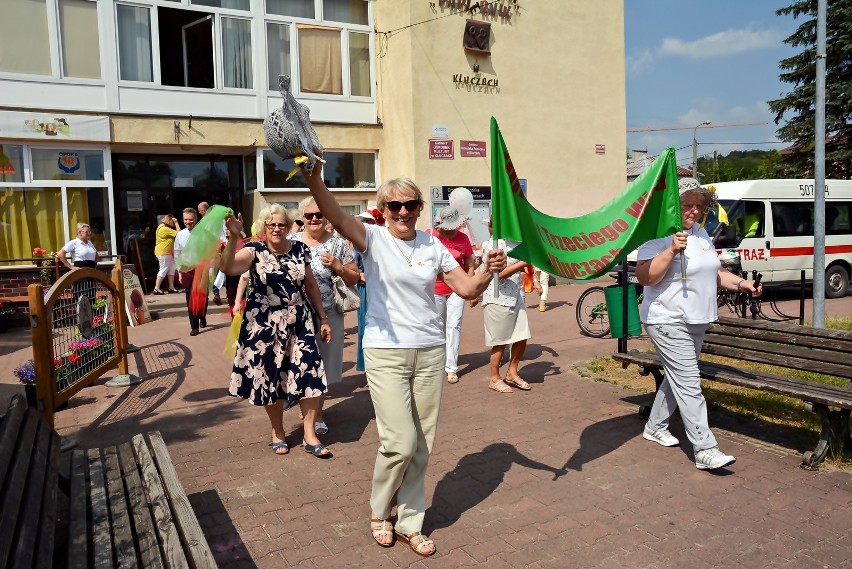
x=38, y=126
x=472, y=148
x=441, y=149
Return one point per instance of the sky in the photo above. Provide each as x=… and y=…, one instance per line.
x=688, y=62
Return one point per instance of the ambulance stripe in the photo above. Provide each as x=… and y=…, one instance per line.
x=799, y=251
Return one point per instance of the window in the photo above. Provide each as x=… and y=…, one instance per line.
x=292, y=8
x=38, y=221
x=349, y=169
x=186, y=48
x=134, y=43
x=233, y=4
x=320, y=69
x=24, y=37
x=52, y=164
x=236, y=53
x=250, y=169
x=78, y=27
x=837, y=218
x=278, y=49
x=359, y=64
x=346, y=11
x=276, y=170
x=90, y=205
x=793, y=219
x=11, y=163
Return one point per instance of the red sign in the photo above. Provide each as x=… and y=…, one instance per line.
x=600, y=148
x=472, y=148
x=441, y=149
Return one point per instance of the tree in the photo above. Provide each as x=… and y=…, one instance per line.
x=800, y=71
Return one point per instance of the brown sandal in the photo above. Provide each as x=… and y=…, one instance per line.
x=417, y=541
x=500, y=387
x=517, y=382
x=380, y=529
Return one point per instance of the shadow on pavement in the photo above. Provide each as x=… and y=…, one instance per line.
x=601, y=438
x=163, y=368
x=224, y=539
x=475, y=477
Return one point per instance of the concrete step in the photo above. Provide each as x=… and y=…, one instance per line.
x=174, y=306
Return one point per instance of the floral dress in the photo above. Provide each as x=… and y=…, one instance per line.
x=277, y=355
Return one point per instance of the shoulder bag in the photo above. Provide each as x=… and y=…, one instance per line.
x=345, y=298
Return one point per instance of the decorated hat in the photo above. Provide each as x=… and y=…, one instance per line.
x=372, y=215
x=289, y=132
x=691, y=185
x=449, y=218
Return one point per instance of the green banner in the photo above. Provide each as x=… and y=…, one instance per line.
x=588, y=246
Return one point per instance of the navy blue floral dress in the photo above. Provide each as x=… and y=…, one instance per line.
x=277, y=354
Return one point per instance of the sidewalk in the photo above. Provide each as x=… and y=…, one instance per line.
x=557, y=477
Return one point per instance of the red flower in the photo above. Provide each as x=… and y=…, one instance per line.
x=74, y=358
x=57, y=362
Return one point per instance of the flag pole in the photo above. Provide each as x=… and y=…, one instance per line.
x=496, y=274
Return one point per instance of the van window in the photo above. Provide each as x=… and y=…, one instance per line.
x=837, y=219
x=732, y=221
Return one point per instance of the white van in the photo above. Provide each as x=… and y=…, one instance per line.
x=770, y=223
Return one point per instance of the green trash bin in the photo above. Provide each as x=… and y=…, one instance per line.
x=614, y=295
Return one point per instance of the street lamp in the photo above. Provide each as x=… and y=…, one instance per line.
x=695, y=149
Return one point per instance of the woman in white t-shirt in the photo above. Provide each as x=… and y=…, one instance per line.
x=83, y=255
x=676, y=312
x=404, y=346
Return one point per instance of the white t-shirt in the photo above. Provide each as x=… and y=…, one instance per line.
x=76, y=250
x=401, y=309
x=180, y=242
x=690, y=301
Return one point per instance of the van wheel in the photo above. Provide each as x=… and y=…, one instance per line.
x=836, y=282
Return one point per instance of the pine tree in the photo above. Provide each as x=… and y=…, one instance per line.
x=798, y=104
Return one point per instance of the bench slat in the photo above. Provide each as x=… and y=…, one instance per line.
x=794, y=329
x=101, y=540
x=799, y=388
x=778, y=360
x=78, y=528
x=47, y=522
x=149, y=549
x=196, y=544
x=843, y=346
x=165, y=524
x=38, y=478
x=15, y=485
x=10, y=426
x=125, y=552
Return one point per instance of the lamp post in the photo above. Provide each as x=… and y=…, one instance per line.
x=695, y=149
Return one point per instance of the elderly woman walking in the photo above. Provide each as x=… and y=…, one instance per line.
x=277, y=358
x=330, y=256
x=403, y=347
x=676, y=312
x=451, y=305
x=164, y=250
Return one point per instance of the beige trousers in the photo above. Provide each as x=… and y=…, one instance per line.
x=405, y=385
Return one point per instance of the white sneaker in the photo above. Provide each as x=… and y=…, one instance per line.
x=712, y=458
x=663, y=437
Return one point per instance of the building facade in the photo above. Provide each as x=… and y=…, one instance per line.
x=116, y=112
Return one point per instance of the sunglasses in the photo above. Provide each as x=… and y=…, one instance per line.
x=410, y=205
x=314, y=215
x=276, y=226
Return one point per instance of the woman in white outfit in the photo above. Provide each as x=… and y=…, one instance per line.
x=676, y=313
x=404, y=349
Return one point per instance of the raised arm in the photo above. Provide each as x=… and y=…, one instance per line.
x=346, y=225
x=233, y=262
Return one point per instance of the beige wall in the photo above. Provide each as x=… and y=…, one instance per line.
x=560, y=68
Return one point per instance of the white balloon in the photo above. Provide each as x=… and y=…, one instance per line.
x=462, y=200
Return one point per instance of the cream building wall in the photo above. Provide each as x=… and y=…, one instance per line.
x=561, y=91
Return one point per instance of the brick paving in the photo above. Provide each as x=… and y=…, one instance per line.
x=557, y=477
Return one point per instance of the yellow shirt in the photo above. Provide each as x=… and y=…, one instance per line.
x=165, y=240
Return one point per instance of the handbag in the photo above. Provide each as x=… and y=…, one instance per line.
x=345, y=298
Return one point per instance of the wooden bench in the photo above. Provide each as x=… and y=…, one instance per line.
x=113, y=507
x=790, y=346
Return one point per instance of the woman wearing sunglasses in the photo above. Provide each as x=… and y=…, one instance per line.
x=404, y=349
x=330, y=256
x=277, y=358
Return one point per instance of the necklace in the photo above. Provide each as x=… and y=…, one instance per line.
x=408, y=259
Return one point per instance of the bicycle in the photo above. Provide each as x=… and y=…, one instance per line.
x=592, y=313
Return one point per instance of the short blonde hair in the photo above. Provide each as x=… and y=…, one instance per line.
x=402, y=185
x=81, y=225
x=305, y=203
x=266, y=214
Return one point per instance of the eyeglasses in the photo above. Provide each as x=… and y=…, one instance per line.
x=410, y=205
x=313, y=215
x=276, y=226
